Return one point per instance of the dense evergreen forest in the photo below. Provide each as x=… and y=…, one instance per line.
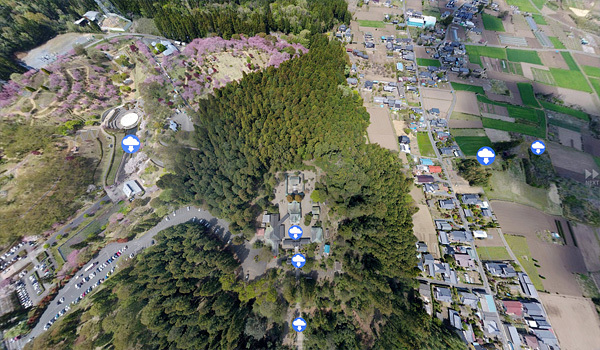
x=286, y=118
x=189, y=19
x=178, y=296
x=25, y=24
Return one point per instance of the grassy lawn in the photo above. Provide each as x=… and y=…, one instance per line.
x=557, y=43
x=425, y=146
x=510, y=185
x=524, y=5
x=464, y=116
x=372, y=24
x=514, y=127
x=596, y=85
x=467, y=87
x=570, y=61
x=493, y=253
x=539, y=19
x=565, y=110
x=428, y=62
x=475, y=52
x=592, y=71
x=492, y=23
x=570, y=79
x=535, y=116
x=471, y=144
x=527, y=95
x=523, y=56
x=518, y=244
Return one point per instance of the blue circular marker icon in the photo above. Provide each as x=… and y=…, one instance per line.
x=130, y=144
x=298, y=260
x=299, y=324
x=486, y=156
x=295, y=232
x=538, y=147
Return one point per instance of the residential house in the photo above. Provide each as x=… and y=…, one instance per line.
x=423, y=179
x=442, y=135
x=435, y=169
x=447, y=204
x=500, y=269
x=352, y=81
x=454, y=319
x=546, y=336
x=464, y=260
x=513, y=307
x=368, y=85
x=443, y=225
x=471, y=199
x=443, y=237
x=434, y=111
x=379, y=99
x=533, y=309
x=460, y=237
x=486, y=212
x=421, y=247
x=469, y=299
x=431, y=188
x=538, y=322
x=514, y=336
x=442, y=294
x=131, y=188
x=404, y=139
x=426, y=161
x=526, y=285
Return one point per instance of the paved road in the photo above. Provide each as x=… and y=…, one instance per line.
x=70, y=292
x=444, y=283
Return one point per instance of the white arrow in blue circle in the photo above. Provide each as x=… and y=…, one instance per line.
x=538, y=147
x=130, y=144
x=486, y=156
x=299, y=324
x=298, y=260
x=295, y=232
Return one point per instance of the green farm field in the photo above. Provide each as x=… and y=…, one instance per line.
x=528, y=56
x=543, y=76
x=517, y=127
x=475, y=52
x=492, y=23
x=519, y=247
x=557, y=43
x=372, y=24
x=570, y=79
x=565, y=110
x=425, y=146
x=428, y=62
x=527, y=94
x=592, y=71
x=467, y=87
x=535, y=116
x=524, y=5
x=469, y=145
x=570, y=60
x=493, y=254
x=539, y=19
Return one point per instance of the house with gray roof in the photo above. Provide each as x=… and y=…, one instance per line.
x=443, y=225
x=500, y=269
x=469, y=299
x=442, y=294
x=454, y=319
x=471, y=199
x=447, y=204
x=460, y=237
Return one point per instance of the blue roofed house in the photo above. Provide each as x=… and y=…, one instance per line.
x=426, y=161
